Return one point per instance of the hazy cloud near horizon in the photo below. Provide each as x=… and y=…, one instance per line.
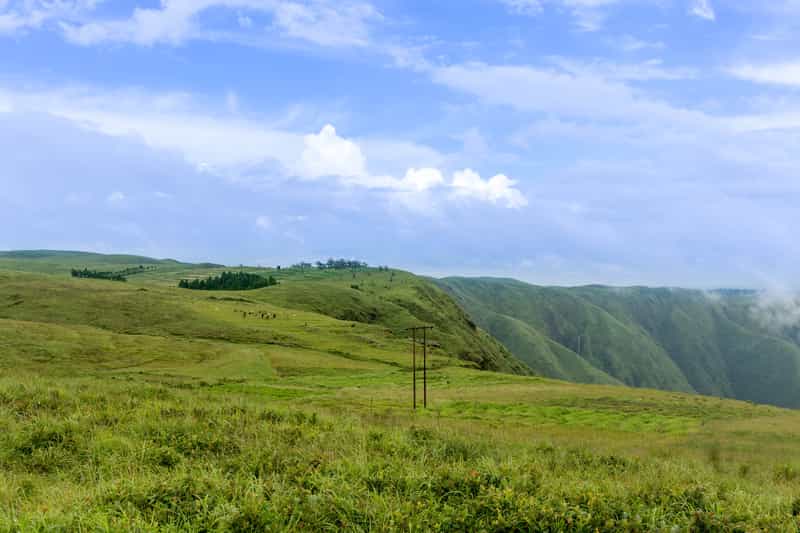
x=610, y=143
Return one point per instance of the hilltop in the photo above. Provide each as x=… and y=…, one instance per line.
x=714, y=343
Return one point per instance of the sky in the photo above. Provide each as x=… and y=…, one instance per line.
x=622, y=142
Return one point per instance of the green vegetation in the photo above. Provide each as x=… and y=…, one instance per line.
x=95, y=274
x=673, y=339
x=229, y=281
x=120, y=275
x=341, y=264
x=140, y=406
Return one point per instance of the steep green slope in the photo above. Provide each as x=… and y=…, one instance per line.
x=616, y=348
x=542, y=354
x=642, y=336
x=716, y=340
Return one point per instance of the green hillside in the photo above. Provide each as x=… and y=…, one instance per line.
x=377, y=305
x=672, y=339
x=140, y=406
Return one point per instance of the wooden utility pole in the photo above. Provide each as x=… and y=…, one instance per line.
x=414, y=364
x=425, y=368
x=424, y=330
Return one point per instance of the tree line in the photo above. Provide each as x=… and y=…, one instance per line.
x=119, y=275
x=229, y=281
x=336, y=264
x=96, y=274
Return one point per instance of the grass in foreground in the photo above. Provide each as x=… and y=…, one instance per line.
x=83, y=454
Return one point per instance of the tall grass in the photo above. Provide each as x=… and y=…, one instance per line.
x=83, y=454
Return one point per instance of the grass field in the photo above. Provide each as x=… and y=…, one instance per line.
x=144, y=407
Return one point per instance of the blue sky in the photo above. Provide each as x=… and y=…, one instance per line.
x=556, y=141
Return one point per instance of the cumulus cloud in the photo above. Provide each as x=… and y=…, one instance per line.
x=327, y=154
x=702, y=9
x=497, y=190
x=421, y=179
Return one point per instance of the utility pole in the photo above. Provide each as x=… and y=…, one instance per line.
x=414, y=365
x=425, y=368
x=424, y=330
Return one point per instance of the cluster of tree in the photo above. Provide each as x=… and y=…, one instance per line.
x=229, y=281
x=96, y=274
x=136, y=270
x=119, y=275
x=337, y=264
x=341, y=264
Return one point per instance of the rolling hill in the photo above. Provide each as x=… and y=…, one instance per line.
x=139, y=406
x=377, y=306
x=671, y=339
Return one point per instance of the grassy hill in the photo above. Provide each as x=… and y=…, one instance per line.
x=362, y=310
x=141, y=406
x=670, y=339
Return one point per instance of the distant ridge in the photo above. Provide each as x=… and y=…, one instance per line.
x=711, y=342
x=75, y=258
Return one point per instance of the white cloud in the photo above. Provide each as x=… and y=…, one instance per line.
x=172, y=23
x=322, y=22
x=578, y=92
x=327, y=154
x=787, y=73
x=765, y=122
x=498, y=189
x=326, y=24
x=421, y=179
x=31, y=14
x=702, y=9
